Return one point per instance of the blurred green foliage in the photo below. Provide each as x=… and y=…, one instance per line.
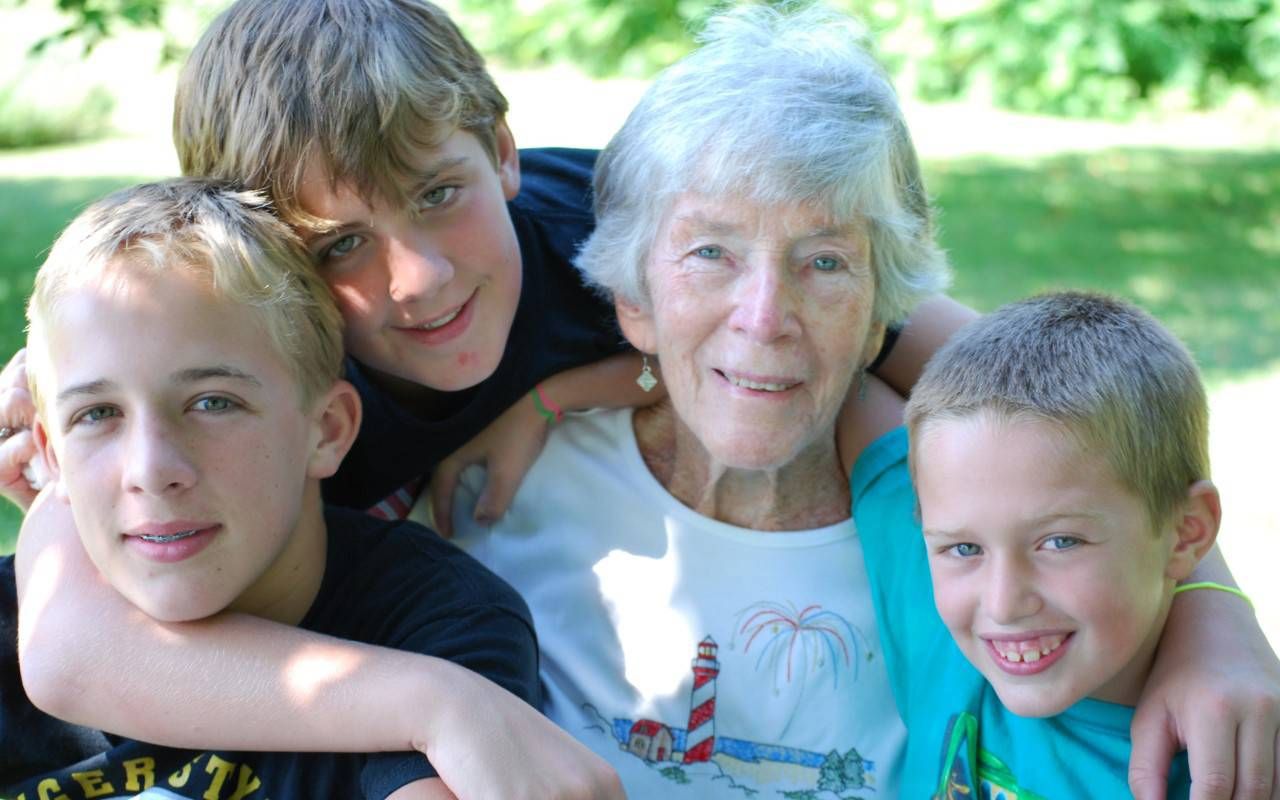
x=1071, y=57
x=23, y=124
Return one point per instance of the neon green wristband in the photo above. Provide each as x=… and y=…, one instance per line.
x=548, y=410
x=1186, y=587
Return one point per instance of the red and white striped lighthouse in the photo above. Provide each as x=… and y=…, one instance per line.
x=700, y=740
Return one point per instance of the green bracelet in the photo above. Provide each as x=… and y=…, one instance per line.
x=1186, y=587
x=553, y=414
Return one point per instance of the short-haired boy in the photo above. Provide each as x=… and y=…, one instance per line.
x=185, y=363
x=1059, y=448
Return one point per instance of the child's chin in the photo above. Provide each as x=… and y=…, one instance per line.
x=1031, y=700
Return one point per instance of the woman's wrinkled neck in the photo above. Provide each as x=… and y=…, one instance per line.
x=810, y=492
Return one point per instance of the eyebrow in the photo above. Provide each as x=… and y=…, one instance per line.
x=1032, y=523
x=191, y=375
x=432, y=171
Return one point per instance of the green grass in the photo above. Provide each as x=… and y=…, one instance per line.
x=1193, y=237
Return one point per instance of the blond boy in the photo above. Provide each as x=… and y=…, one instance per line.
x=185, y=363
x=1059, y=447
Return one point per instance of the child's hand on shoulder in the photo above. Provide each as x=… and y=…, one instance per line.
x=507, y=448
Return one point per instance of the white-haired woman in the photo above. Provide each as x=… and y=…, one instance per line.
x=693, y=568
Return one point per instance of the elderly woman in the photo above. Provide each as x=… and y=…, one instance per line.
x=693, y=569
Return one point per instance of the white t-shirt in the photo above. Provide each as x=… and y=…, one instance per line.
x=701, y=659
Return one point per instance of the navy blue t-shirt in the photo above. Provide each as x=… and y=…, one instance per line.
x=559, y=324
x=393, y=584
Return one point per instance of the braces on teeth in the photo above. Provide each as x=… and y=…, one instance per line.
x=171, y=537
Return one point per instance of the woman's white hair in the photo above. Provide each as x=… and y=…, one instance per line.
x=776, y=107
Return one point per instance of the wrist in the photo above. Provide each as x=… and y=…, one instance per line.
x=545, y=406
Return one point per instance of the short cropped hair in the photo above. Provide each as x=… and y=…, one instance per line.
x=1102, y=369
x=227, y=237
x=775, y=107
x=358, y=84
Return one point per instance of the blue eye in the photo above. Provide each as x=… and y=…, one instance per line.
x=214, y=404
x=709, y=252
x=966, y=549
x=826, y=264
x=342, y=247
x=438, y=196
x=1062, y=542
x=95, y=415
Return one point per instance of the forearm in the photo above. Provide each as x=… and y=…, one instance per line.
x=928, y=328
x=90, y=657
x=1215, y=614
x=610, y=383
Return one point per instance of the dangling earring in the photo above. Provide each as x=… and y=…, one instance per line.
x=646, y=380
x=862, y=384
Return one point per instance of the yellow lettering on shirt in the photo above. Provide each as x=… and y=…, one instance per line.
x=47, y=787
x=93, y=782
x=139, y=774
x=219, y=769
x=246, y=784
x=179, y=779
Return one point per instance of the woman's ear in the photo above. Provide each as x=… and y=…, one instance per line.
x=636, y=322
x=875, y=341
x=335, y=423
x=1195, y=529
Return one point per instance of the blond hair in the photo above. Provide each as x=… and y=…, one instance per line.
x=1102, y=369
x=227, y=237
x=361, y=85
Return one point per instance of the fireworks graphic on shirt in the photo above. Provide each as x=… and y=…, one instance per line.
x=791, y=642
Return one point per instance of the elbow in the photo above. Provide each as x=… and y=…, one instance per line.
x=50, y=677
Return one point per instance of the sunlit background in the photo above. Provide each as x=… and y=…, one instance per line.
x=1132, y=147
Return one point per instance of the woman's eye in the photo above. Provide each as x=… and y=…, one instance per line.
x=436, y=197
x=1062, y=542
x=826, y=264
x=710, y=252
x=342, y=247
x=966, y=549
x=213, y=404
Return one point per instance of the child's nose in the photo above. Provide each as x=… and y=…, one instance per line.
x=416, y=268
x=155, y=462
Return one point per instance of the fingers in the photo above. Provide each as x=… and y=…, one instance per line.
x=443, y=483
x=499, y=489
x=17, y=455
x=1154, y=744
x=1256, y=760
x=1211, y=753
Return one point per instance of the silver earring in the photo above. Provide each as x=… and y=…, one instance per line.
x=646, y=380
x=862, y=384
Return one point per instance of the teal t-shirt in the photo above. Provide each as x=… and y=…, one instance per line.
x=961, y=742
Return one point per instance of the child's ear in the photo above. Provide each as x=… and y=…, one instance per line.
x=336, y=421
x=1195, y=529
x=44, y=448
x=636, y=322
x=508, y=160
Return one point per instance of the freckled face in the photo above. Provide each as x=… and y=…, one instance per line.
x=182, y=444
x=1045, y=569
x=428, y=293
x=760, y=318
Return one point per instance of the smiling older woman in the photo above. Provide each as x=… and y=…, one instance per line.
x=692, y=567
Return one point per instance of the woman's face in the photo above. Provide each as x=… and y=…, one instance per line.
x=760, y=318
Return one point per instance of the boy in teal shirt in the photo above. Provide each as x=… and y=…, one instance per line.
x=1059, y=448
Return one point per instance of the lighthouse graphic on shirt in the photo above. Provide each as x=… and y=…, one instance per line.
x=688, y=750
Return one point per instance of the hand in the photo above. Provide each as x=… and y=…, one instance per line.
x=507, y=448
x=1215, y=688
x=22, y=468
x=492, y=744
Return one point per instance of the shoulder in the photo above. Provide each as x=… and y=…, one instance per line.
x=865, y=417
x=556, y=182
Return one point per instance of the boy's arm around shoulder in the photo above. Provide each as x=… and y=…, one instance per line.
x=90, y=657
x=930, y=326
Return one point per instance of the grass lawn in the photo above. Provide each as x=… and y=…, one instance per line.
x=1191, y=233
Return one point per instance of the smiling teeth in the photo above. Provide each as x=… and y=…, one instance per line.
x=172, y=537
x=1030, y=650
x=759, y=387
x=440, y=323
